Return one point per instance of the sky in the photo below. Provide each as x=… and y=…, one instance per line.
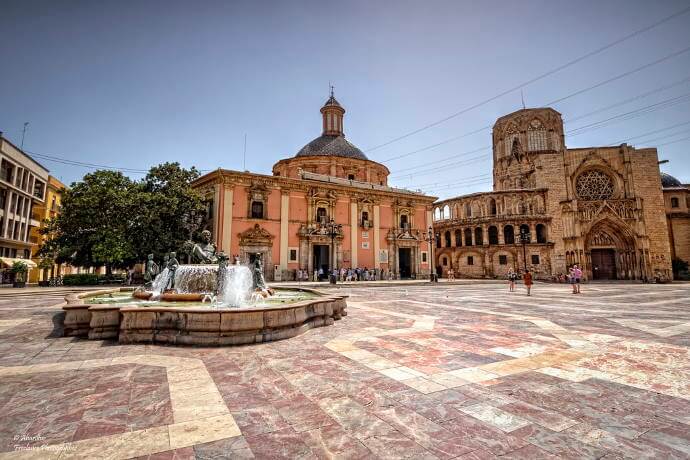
x=134, y=84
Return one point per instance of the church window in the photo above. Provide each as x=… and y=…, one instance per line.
x=257, y=210
x=321, y=215
x=351, y=176
x=445, y=214
x=524, y=230
x=447, y=238
x=535, y=259
x=492, y=207
x=470, y=260
x=502, y=260
x=468, y=237
x=438, y=240
x=445, y=261
x=508, y=235
x=674, y=202
x=468, y=210
x=594, y=185
x=458, y=238
x=541, y=233
x=536, y=137
x=403, y=221
x=437, y=214
x=365, y=219
x=493, y=235
x=478, y=236
x=424, y=255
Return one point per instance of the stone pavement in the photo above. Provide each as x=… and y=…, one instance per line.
x=465, y=371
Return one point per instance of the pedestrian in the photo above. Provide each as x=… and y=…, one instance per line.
x=527, y=280
x=512, y=277
x=577, y=273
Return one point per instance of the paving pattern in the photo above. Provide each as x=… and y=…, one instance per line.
x=467, y=371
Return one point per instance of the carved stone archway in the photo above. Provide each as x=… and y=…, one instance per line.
x=612, y=242
x=255, y=240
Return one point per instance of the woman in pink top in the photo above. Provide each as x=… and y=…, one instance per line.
x=577, y=274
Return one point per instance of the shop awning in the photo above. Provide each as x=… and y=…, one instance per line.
x=8, y=261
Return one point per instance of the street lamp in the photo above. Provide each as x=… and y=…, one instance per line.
x=332, y=230
x=524, y=239
x=431, y=239
x=192, y=221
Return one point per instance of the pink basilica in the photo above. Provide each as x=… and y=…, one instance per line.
x=327, y=207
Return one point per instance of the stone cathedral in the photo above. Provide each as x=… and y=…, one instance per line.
x=599, y=207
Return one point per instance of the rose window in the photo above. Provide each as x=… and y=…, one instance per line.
x=594, y=185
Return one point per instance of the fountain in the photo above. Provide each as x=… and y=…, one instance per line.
x=230, y=285
x=211, y=302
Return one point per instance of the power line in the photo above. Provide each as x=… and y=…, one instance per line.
x=535, y=79
x=650, y=132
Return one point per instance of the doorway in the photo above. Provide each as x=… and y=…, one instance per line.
x=405, y=261
x=321, y=260
x=603, y=264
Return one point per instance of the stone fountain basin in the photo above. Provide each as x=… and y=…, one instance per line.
x=198, y=325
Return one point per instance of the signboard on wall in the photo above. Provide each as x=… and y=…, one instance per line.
x=383, y=256
x=365, y=235
x=365, y=245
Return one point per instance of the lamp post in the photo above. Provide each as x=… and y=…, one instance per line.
x=192, y=221
x=524, y=239
x=430, y=238
x=332, y=230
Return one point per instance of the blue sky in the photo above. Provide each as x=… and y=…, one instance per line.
x=133, y=84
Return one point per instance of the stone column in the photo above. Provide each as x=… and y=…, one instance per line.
x=377, y=235
x=353, y=233
x=225, y=220
x=284, y=219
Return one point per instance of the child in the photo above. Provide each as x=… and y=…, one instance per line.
x=511, y=280
x=527, y=279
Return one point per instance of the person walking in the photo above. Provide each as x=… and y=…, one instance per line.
x=512, y=277
x=527, y=280
x=577, y=274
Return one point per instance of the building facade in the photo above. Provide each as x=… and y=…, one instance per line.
x=677, y=203
x=286, y=216
x=48, y=209
x=599, y=207
x=22, y=187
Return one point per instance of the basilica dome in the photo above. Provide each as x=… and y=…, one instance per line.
x=329, y=145
x=668, y=180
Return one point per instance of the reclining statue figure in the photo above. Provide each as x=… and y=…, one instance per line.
x=203, y=252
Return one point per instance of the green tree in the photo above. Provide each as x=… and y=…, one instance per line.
x=169, y=198
x=96, y=222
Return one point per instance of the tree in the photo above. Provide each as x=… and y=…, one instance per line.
x=168, y=196
x=107, y=219
x=96, y=221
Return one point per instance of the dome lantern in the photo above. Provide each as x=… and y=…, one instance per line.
x=332, y=113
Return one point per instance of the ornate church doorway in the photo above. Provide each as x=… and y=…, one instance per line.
x=321, y=260
x=405, y=262
x=603, y=264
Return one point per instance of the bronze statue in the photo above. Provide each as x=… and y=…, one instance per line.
x=205, y=251
x=151, y=270
x=258, y=273
x=172, y=268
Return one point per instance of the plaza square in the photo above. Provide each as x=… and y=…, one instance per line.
x=465, y=370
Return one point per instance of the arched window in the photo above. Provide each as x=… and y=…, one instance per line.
x=321, y=215
x=437, y=214
x=468, y=237
x=508, y=235
x=524, y=228
x=257, y=210
x=458, y=238
x=446, y=212
x=447, y=238
x=674, y=202
x=536, y=136
x=478, y=236
x=492, y=207
x=493, y=235
x=541, y=233
x=522, y=208
x=468, y=210
x=404, y=223
x=365, y=219
x=438, y=240
x=445, y=261
x=515, y=149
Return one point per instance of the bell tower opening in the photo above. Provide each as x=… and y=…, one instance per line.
x=332, y=113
